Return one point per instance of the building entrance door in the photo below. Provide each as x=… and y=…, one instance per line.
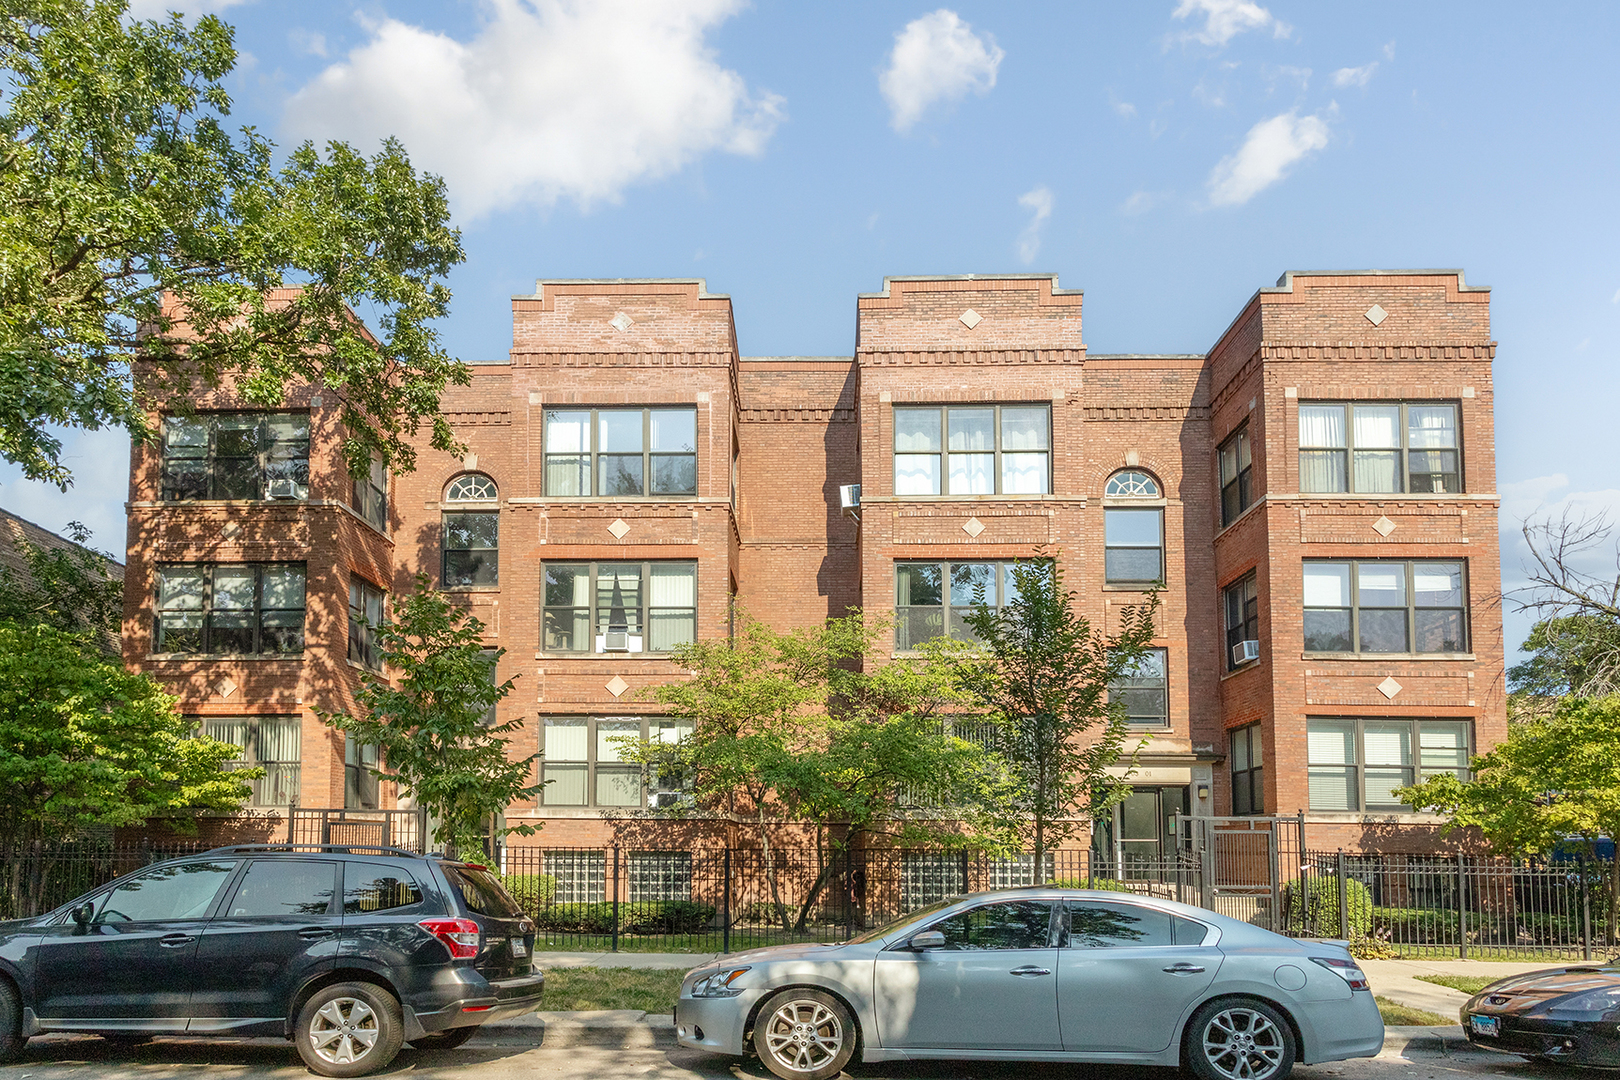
x=1138, y=837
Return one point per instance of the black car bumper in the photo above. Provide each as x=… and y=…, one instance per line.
x=1571, y=1041
x=506, y=998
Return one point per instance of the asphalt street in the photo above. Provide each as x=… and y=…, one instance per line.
x=90, y=1058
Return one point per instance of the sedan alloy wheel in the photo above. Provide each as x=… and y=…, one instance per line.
x=1241, y=1040
x=805, y=1035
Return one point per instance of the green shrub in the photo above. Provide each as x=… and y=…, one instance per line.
x=648, y=917
x=1415, y=926
x=575, y=919
x=1315, y=907
x=1103, y=884
x=531, y=891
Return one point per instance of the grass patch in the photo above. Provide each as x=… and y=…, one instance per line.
x=576, y=989
x=1468, y=984
x=1394, y=1014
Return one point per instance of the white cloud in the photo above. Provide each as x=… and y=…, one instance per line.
x=308, y=41
x=1123, y=109
x=1226, y=19
x=1616, y=299
x=1355, y=76
x=550, y=100
x=1268, y=151
x=1389, y=51
x=936, y=58
x=1039, y=203
x=159, y=9
x=1141, y=202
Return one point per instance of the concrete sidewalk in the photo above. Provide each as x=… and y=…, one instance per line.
x=645, y=960
x=1397, y=979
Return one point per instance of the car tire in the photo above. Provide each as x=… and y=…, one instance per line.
x=349, y=1029
x=11, y=1036
x=805, y=1035
x=446, y=1040
x=1239, y=1039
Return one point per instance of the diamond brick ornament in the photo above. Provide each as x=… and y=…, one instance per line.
x=970, y=318
x=1376, y=314
x=1383, y=526
x=973, y=527
x=622, y=322
x=616, y=686
x=618, y=528
x=1389, y=688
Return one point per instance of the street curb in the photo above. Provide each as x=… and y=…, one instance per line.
x=1398, y=1040
x=624, y=1029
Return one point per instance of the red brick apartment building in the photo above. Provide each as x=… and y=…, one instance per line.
x=1317, y=492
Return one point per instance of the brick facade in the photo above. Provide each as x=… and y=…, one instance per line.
x=775, y=437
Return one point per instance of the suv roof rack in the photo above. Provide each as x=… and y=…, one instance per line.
x=344, y=849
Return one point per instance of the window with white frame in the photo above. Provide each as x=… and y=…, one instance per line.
x=1385, y=606
x=270, y=742
x=659, y=875
x=583, y=762
x=471, y=532
x=973, y=450
x=252, y=609
x=933, y=599
x=1379, y=448
x=1143, y=690
x=236, y=456
x=614, y=453
x=619, y=606
x=1356, y=763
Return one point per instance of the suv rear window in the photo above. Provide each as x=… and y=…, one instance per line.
x=378, y=887
x=483, y=892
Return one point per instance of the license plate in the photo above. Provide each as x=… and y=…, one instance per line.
x=519, y=948
x=1485, y=1025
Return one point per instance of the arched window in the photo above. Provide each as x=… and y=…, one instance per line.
x=471, y=537
x=1131, y=484
x=1133, y=538
x=473, y=487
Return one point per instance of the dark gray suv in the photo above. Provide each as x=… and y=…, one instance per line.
x=348, y=951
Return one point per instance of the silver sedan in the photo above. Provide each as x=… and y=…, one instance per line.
x=1040, y=975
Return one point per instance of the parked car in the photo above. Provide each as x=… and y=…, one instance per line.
x=1568, y=1014
x=348, y=951
x=1040, y=974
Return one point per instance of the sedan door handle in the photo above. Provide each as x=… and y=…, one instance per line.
x=312, y=933
x=1185, y=969
x=1030, y=972
x=175, y=941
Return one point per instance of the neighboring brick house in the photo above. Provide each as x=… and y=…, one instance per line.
x=17, y=534
x=1317, y=493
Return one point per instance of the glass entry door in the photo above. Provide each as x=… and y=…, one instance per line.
x=1138, y=838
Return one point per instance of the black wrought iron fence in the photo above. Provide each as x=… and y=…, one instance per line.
x=37, y=876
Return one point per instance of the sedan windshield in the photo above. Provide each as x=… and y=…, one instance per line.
x=900, y=924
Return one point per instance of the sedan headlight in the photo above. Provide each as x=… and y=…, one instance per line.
x=718, y=984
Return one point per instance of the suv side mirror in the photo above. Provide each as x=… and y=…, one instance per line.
x=83, y=913
x=928, y=939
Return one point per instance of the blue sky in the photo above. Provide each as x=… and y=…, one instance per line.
x=1167, y=157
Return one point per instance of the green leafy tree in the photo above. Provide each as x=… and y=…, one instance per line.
x=810, y=725
x=427, y=716
x=1043, y=676
x=70, y=588
x=85, y=742
x=1553, y=783
x=139, y=242
x=1575, y=655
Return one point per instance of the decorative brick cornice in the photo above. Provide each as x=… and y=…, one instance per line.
x=1146, y=412
x=535, y=358
x=960, y=357
x=796, y=416
x=1362, y=351
x=479, y=419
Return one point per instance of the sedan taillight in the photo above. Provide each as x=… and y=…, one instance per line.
x=460, y=936
x=1344, y=969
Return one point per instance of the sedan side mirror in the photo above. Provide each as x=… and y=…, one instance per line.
x=928, y=939
x=83, y=913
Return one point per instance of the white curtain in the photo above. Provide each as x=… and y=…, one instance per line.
x=1023, y=474
x=1431, y=426
x=279, y=739
x=1378, y=427
x=565, y=740
x=1321, y=425
x=568, y=432
x=673, y=586
x=1327, y=585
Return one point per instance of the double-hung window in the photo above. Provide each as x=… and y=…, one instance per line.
x=1242, y=602
x=1385, y=606
x=933, y=599
x=614, y=453
x=472, y=532
x=270, y=742
x=1143, y=690
x=371, y=495
x=1248, y=771
x=583, y=760
x=1356, y=763
x=973, y=450
x=365, y=622
x=1133, y=536
x=619, y=606
x=236, y=456
x=1236, y=463
x=1379, y=448
x=218, y=609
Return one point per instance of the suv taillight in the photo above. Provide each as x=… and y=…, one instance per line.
x=460, y=936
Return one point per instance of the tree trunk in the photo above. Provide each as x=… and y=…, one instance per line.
x=770, y=872
x=1611, y=928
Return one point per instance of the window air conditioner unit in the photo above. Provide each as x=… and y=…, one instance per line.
x=849, y=496
x=617, y=639
x=663, y=800
x=1245, y=651
x=282, y=489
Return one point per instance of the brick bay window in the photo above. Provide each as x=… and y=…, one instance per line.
x=1379, y=448
x=973, y=450
x=618, y=607
x=365, y=620
x=472, y=532
x=217, y=609
x=236, y=456
x=933, y=599
x=1236, y=463
x=583, y=761
x=1248, y=771
x=1385, y=606
x=271, y=742
x=614, y=453
x=1356, y=763
x=1241, y=602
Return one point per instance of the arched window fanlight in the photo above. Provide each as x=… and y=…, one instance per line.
x=1131, y=484
x=473, y=487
